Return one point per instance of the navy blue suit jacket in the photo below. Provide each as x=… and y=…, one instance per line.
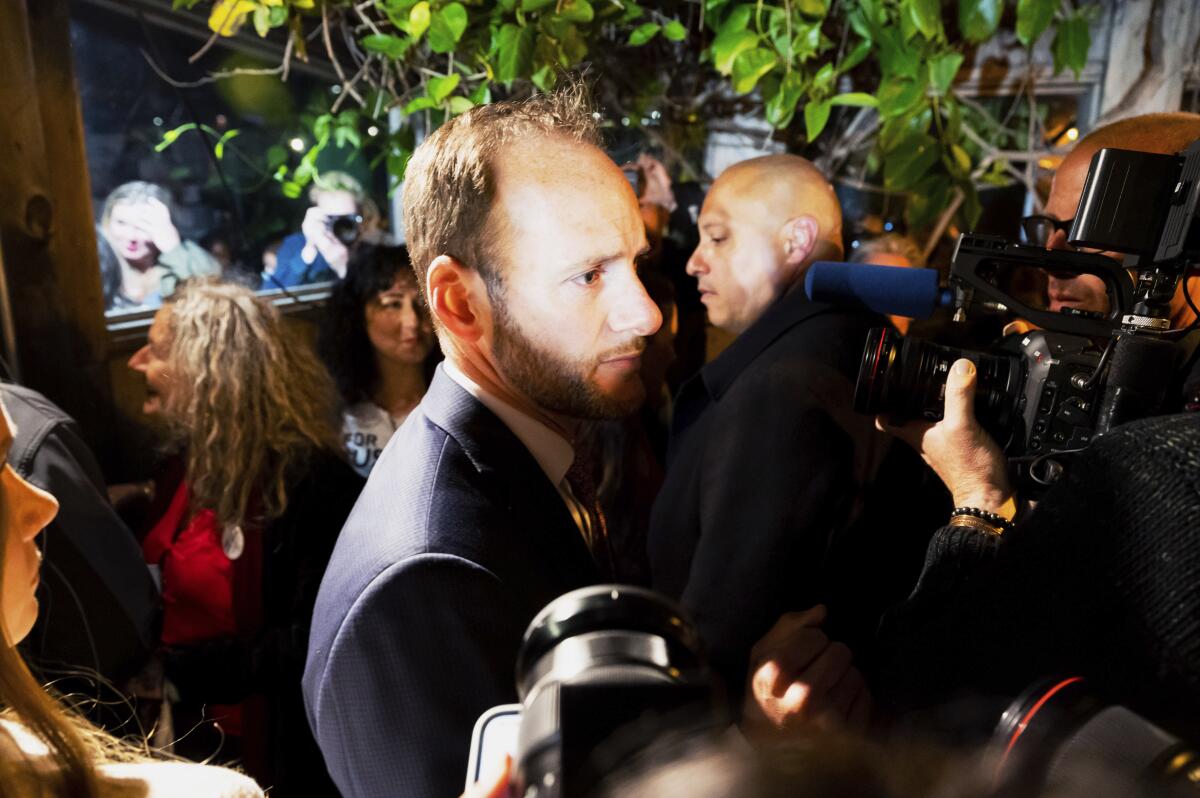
x=456, y=542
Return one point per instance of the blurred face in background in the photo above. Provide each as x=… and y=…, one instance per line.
x=398, y=327
x=25, y=511
x=128, y=236
x=151, y=362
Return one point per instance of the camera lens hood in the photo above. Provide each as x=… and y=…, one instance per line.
x=610, y=607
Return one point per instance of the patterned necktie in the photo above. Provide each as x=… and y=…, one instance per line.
x=582, y=479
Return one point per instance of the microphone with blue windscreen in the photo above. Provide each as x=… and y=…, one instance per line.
x=887, y=290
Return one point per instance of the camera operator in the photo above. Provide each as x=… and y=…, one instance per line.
x=321, y=250
x=1100, y=580
x=1163, y=133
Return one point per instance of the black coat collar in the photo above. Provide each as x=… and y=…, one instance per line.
x=793, y=308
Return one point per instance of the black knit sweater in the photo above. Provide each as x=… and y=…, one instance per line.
x=1102, y=580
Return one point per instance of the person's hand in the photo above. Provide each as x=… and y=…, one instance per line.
x=658, y=183
x=799, y=680
x=153, y=218
x=317, y=237
x=494, y=783
x=959, y=451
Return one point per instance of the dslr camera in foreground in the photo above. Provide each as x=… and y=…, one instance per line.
x=1045, y=395
x=603, y=672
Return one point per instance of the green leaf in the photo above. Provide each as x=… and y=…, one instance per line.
x=899, y=95
x=419, y=19
x=895, y=55
x=1033, y=17
x=816, y=115
x=728, y=46
x=749, y=67
x=908, y=161
x=942, y=69
x=535, y=5
x=738, y=19
x=393, y=47
x=169, y=137
x=642, y=34
x=278, y=15
x=632, y=11
x=447, y=28
x=961, y=159
x=460, y=105
x=579, y=11
x=824, y=78
x=515, y=52
x=675, y=31
x=813, y=8
x=855, y=56
x=1072, y=41
x=292, y=189
x=439, y=89
x=806, y=43
x=482, y=94
x=219, y=147
x=926, y=15
x=420, y=104
x=397, y=163
x=262, y=20
x=856, y=98
x=978, y=19
x=781, y=106
x=545, y=78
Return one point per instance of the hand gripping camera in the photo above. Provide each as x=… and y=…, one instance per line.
x=1047, y=393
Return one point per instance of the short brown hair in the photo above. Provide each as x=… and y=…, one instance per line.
x=449, y=186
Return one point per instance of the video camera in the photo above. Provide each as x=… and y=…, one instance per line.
x=602, y=673
x=1046, y=394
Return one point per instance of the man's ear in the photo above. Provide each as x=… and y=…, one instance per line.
x=800, y=235
x=457, y=298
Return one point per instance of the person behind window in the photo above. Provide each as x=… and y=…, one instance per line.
x=246, y=537
x=890, y=249
x=45, y=749
x=378, y=341
x=151, y=256
x=321, y=250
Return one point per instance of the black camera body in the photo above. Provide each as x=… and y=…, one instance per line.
x=1047, y=393
x=1034, y=392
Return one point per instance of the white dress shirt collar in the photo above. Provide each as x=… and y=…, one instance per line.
x=553, y=453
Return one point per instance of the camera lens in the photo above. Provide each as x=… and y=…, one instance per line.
x=603, y=671
x=345, y=228
x=905, y=378
x=1060, y=733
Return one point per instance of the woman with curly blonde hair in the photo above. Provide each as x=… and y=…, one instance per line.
x=249, y=528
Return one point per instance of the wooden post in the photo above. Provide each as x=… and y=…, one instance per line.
x=46, y=226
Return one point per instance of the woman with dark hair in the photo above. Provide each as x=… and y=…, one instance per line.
x=378, y=342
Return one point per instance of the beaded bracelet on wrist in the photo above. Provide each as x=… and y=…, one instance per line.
x=996, y=520
x=978, y=524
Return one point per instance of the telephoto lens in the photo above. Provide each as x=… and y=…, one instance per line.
x=603, y=672
x=905, y=379
x=1061, y=738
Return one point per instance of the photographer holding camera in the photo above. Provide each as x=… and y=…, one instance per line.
x=321, y=250
x=1101, y=579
